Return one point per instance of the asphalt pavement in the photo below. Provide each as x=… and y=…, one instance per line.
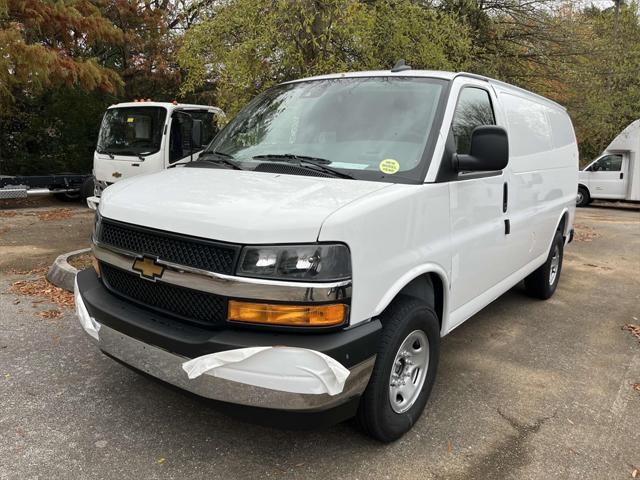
x=526, y=388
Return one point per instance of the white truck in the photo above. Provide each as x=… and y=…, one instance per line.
x=337, y=227
x=615, y=174
x=144, y=137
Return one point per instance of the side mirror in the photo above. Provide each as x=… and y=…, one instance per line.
x=196, y=134
x=489, y=151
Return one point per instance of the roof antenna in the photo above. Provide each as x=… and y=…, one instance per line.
x=400, y=66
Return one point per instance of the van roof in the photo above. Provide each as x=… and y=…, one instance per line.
x=428, y=74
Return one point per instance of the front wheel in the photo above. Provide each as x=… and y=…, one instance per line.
x=404, y=372
x=583, y=198
x=543, y=282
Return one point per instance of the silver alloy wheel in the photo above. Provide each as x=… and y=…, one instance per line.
x=579, y=198
x=555, y=263
x=409, y=371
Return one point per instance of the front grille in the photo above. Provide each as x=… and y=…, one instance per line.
x=180, y=249
x=191, y=305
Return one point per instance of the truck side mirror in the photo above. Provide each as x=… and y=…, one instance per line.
x=196, y=134
x=489, y=151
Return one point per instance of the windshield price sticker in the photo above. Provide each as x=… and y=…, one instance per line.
x=130, y=120
x=389, y=166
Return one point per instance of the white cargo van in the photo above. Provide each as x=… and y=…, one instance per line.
x=615, y=174
x=146, y=137
x=311, y=259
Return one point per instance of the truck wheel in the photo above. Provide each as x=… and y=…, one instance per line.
x=543, y=282
x=404, y=371
x=87, y=188
x=68, y=196
x=583, y=198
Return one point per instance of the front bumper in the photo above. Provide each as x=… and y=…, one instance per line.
x=159, y=346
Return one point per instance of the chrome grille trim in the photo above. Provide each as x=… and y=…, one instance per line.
x=229, y=285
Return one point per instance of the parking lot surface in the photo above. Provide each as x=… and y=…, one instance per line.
x=526, y=388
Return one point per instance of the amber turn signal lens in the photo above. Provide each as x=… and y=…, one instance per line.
x=292, y=315
x=96, y=265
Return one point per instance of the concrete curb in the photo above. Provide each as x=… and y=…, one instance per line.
x=61, y=273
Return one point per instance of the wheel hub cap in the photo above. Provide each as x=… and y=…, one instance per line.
x=555, y=264
x=409, y=371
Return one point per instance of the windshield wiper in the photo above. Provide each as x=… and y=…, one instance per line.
x=211, y=156
x=312, y=163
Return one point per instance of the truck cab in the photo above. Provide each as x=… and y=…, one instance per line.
x=615, y=174
x=144, y=137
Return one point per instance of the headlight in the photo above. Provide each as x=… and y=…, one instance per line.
x=315, y=263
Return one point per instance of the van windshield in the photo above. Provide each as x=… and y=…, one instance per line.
x=373, y=128
x=131, y=130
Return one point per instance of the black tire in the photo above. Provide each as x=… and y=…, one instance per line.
x=540, y=284
x=87, y=188
x=583, y=198
x=68, y=196
x=375, y=414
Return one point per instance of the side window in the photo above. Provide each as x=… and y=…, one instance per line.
x=609, y=163
x=181, y=140
x=473, y=110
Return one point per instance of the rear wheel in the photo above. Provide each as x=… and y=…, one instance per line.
x=583, y=198
x=543, y=282
x=404, y=371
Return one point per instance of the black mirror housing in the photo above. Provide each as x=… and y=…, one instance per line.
x=196, y=133
x=489, y=151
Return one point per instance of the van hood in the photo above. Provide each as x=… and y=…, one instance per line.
x=231, y=205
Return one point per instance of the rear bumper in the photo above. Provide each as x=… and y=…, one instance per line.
x=159, y=346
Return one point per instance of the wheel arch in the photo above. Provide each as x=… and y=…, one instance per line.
x=429, y=283
x=582, y=185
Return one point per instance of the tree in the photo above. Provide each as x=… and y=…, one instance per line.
x=246, y=46
x=48, y=44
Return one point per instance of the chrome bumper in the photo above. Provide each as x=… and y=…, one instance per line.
x=167, y=366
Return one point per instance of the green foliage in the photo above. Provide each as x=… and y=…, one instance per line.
x=62, y=62
x=247, y=46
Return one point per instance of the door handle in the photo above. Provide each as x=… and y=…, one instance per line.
x=621, y=175
x=505, y=197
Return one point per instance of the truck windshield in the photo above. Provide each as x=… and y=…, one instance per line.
x=374, y=128
x=131, y=130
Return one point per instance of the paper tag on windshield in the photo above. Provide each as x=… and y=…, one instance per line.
x=130, y=120
x=389, y=166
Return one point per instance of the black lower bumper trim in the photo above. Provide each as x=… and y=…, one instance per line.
x=349, y=346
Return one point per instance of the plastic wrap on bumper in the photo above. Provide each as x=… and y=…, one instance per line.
x=88, y=323
x=287, y=369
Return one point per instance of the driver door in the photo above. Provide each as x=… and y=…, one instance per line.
x=607, y=177
x=189, y=133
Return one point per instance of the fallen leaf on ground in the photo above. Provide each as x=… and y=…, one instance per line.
x=53, y=313
x=634, y=474
x=633, y=329
x=58, y=214
x=636, y=387
x=8, y=213
x=45, y=290
x=583, y=233
x=34, y=271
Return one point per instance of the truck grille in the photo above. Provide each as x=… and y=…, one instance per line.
x=194, y=306
x=182, y=250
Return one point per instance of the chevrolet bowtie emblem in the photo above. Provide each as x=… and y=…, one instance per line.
x=148, y=268
x=116, y=174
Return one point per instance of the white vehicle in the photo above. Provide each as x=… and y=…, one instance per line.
x=615, y=174
x=339, y=227
x=144, y=137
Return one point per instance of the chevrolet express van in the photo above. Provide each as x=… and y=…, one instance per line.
x=329, y=235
